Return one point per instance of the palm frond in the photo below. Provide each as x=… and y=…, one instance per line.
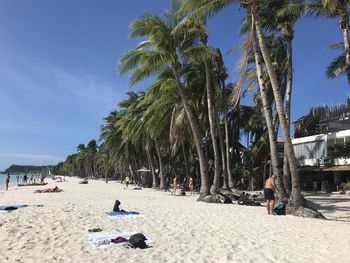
x=337, y=67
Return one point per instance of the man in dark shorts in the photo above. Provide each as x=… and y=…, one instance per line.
x=7, y=181
x=269, y=193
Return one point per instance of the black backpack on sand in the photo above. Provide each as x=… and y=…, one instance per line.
x=137, y=241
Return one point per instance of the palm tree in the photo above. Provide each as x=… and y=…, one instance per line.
x=161, y=50
x=203, y=52
x=296, y=199
x=268, y=113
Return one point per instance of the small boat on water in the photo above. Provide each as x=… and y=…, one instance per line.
x=36, y=184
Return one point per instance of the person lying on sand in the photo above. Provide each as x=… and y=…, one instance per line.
x=49, y=190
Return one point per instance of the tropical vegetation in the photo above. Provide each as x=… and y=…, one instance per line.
x=189, y=121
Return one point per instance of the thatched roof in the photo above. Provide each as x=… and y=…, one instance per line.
x=331, y=112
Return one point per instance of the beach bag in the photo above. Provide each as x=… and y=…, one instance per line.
x=280, y=209
x=137, y=241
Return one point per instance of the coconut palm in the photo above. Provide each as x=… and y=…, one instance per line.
x=161, y=50
x=296, y=199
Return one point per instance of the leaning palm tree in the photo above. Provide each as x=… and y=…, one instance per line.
x=161, y=50
x=201, y=53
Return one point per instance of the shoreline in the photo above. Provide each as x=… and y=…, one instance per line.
x=181, y=228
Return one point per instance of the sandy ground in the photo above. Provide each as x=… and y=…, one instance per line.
x=182, y=229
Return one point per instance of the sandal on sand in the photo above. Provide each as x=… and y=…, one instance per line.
x=95, y=230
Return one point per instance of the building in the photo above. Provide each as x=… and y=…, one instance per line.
x=322, y=146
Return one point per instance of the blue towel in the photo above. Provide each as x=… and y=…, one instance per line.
x=122, y=213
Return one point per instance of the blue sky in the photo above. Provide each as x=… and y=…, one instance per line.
x=58, y=69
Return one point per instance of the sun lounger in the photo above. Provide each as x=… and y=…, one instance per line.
x=102, y=240
x=119, y=215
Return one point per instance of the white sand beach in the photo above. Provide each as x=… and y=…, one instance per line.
x=182, y=229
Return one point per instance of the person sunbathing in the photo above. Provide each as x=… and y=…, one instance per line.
x=244, y=199
x=49, y=190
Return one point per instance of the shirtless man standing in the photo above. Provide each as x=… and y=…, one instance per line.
x=269, y=193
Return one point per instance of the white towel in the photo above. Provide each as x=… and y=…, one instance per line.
x=126, y=216
x=103, y=239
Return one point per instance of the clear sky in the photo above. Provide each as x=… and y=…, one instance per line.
x=58, y=74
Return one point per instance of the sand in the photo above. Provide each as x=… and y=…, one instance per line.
x=182, y=229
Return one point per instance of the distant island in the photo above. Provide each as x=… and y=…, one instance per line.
x=28, y=169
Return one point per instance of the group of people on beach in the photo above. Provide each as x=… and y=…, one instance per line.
x=190, y=185
x=25, y=180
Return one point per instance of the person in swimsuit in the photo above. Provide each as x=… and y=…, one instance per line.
x=269, y=193
x=190, y=185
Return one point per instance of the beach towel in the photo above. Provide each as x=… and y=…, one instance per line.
x=118, y=215
x=11, y=207
x=102, y=240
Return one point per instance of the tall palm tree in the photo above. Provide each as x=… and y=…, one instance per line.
x=162, y=49
x=268, y=113
x=204, y=53
x=296, y=199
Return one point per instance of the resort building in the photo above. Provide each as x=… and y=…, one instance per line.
x=322, y=147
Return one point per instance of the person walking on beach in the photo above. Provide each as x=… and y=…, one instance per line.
x=7, y=181
x=175, y=184
x=269, y=193
x=190, y=185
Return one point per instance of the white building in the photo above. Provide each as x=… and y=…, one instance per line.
x=318, y=150
x=319, y=158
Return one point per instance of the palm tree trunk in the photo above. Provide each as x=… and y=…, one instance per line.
x=213, y=130
x=204, y=189
x=296, y=199
x=185, y=160
x=224, y=144
x=161, y=170
x=227, y=148
x=344, y=21
x=286, y=171
x=268, y=117
x=154, y=178
x=223, y=158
